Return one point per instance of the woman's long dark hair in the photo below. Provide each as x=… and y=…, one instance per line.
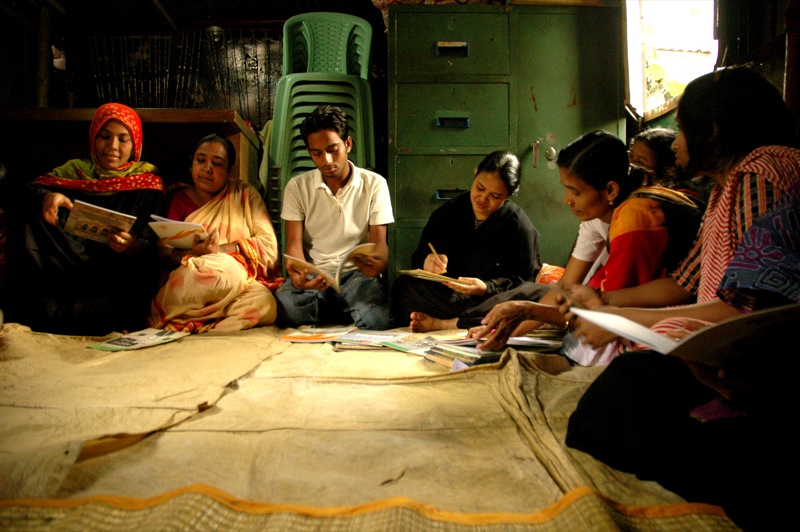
x=725, y=115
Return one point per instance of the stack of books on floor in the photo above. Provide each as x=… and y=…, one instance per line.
x=448, y=354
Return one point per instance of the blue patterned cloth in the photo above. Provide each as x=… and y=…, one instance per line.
x=765, y=269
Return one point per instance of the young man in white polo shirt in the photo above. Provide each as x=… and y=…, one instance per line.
x=327, y=212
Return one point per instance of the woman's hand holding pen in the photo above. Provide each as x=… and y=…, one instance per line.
x=435, y=263
x=469, y=286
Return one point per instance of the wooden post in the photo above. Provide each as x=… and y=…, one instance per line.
x=45, y=55
x=791, y=79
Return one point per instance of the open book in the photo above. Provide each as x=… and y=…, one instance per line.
x=428, y=276
x=716, y=345
x=179, y=235
x=96, y=223
x=361, y=250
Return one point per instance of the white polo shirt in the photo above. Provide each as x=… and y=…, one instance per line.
x=334, y=224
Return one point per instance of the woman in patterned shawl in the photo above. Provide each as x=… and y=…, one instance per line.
x=77, y=285
x=715, y=435
x=735, y=128
x=223, y=282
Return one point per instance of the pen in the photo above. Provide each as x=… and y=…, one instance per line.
x=436, y=255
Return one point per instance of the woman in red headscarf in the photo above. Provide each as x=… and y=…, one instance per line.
x=78, y=285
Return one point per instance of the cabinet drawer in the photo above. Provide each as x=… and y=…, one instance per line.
x=449, y=115
x=451, y=43
x=422, y=183
x=405, y=239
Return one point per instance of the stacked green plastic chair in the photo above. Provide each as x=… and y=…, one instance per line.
x=327, y=42
x=298, y=95
x=326, y=60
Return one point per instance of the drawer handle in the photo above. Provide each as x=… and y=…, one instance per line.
x=452, y=48
x=461, y=122
x=444, y=194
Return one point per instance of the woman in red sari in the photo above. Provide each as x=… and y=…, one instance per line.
x=77, y=285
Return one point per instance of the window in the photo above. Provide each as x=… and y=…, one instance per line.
x=670, y=42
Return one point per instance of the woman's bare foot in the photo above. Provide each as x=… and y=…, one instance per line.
x=421, y=322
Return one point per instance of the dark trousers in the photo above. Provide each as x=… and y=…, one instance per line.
x=636, y=418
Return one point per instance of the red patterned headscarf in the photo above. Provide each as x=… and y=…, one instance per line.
x=124, y=114
x=88, y=176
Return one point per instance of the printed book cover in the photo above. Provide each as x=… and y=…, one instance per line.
x=371, y=338
x=514, y=341
x=467, y=355
x=96, y=223
x=316, y=335
x=413, y=344
x=139, y=340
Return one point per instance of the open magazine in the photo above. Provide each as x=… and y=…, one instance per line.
x=716, y=345
x=179, y=235
x=139, y=340
x=363, y=250
x=96, y=223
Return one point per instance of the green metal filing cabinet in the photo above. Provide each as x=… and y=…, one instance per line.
x=467, y=80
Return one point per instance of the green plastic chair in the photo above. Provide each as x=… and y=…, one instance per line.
x=327, y=42
x=297, y=96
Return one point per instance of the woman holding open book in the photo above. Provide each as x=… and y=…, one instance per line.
x=80, y=285
x=483, y=241
x=223, y=281
x=712, y=434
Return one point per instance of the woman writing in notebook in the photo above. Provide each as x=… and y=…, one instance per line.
x=78, y=285
x=481, y=238
x=650, y=230
x=222, y=282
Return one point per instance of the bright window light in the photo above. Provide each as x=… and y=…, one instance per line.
x=670, y=43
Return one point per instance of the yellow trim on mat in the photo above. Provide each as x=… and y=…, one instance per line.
x=260, y=508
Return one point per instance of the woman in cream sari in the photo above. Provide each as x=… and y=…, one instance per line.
x=222, y=282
